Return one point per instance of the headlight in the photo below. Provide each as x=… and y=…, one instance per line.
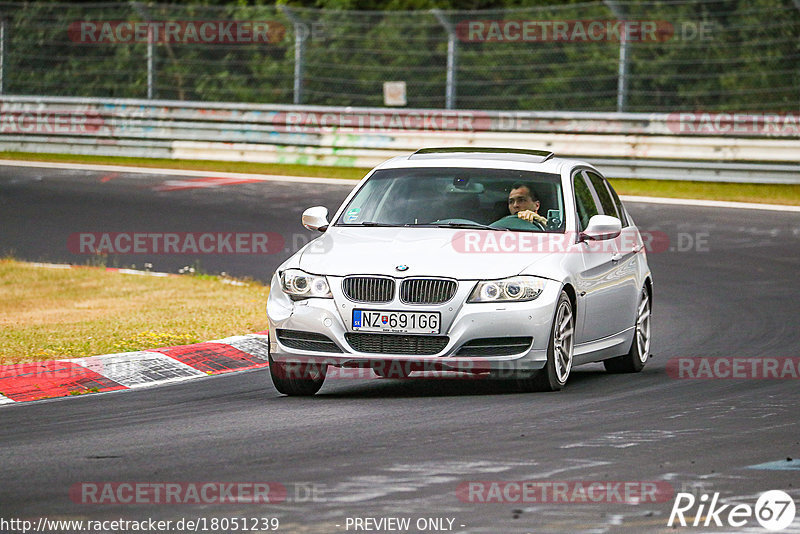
x=301, y=285
x=515, y=289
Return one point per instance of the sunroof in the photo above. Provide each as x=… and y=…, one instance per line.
x=516, y=154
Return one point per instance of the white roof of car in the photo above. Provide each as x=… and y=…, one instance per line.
x=483, y=157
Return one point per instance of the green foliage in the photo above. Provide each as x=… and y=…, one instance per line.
x=745, y=57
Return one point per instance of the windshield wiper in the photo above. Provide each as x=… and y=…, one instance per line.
x=469, y=225
x=434, y=225
x=373, y=223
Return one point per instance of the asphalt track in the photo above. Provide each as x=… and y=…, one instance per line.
x=401, y=448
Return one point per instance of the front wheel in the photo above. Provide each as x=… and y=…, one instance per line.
x=560, y=350
x=297, y=379
x=634, y=361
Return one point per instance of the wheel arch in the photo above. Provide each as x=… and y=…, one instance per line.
x=648, y=284
x=573, y=299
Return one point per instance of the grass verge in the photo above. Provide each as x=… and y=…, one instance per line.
x=752, y=193
x=48, y=313
x=316, y=171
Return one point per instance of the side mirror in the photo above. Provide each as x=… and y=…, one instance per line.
x=316, y=218
x=601, y=227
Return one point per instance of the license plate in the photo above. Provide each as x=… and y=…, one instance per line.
x=396, y=321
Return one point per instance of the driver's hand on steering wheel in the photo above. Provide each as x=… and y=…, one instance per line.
x=531, y=217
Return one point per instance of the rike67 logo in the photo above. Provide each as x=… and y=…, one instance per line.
x=774, y=510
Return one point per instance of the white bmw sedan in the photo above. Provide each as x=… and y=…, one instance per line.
x=502, y=263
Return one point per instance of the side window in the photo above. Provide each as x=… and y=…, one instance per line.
x=583, y=201
x=607, y=203
x=622, y=216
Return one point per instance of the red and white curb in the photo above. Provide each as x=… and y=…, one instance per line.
x=129, y=370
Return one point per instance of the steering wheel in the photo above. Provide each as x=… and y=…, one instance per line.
x=512, y=222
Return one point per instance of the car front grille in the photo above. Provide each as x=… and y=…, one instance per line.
x=427, y=290
x=295, y=339
x=396, y=343
x=368, y=288
x=495, y=346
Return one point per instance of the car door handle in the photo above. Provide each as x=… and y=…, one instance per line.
x=616, y=257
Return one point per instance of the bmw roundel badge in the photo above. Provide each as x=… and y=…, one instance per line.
x=402, y=267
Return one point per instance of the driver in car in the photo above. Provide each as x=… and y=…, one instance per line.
x=523, y=203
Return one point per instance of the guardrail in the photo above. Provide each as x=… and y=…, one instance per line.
x=694, y=146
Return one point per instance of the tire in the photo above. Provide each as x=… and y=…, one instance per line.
x=637, y=356
x=297, y=379
x=560, y=351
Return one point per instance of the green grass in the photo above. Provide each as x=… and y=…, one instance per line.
x=198, y=165
x=752, y=193
x=48, y=313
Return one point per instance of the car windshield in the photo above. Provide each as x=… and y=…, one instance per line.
x=454, y=198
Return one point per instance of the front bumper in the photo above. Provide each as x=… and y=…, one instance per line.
x=461, y=323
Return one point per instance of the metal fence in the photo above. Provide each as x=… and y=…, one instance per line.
x=624, y=145
x=613, y=55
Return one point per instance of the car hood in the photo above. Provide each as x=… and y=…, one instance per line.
x=454, y=253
